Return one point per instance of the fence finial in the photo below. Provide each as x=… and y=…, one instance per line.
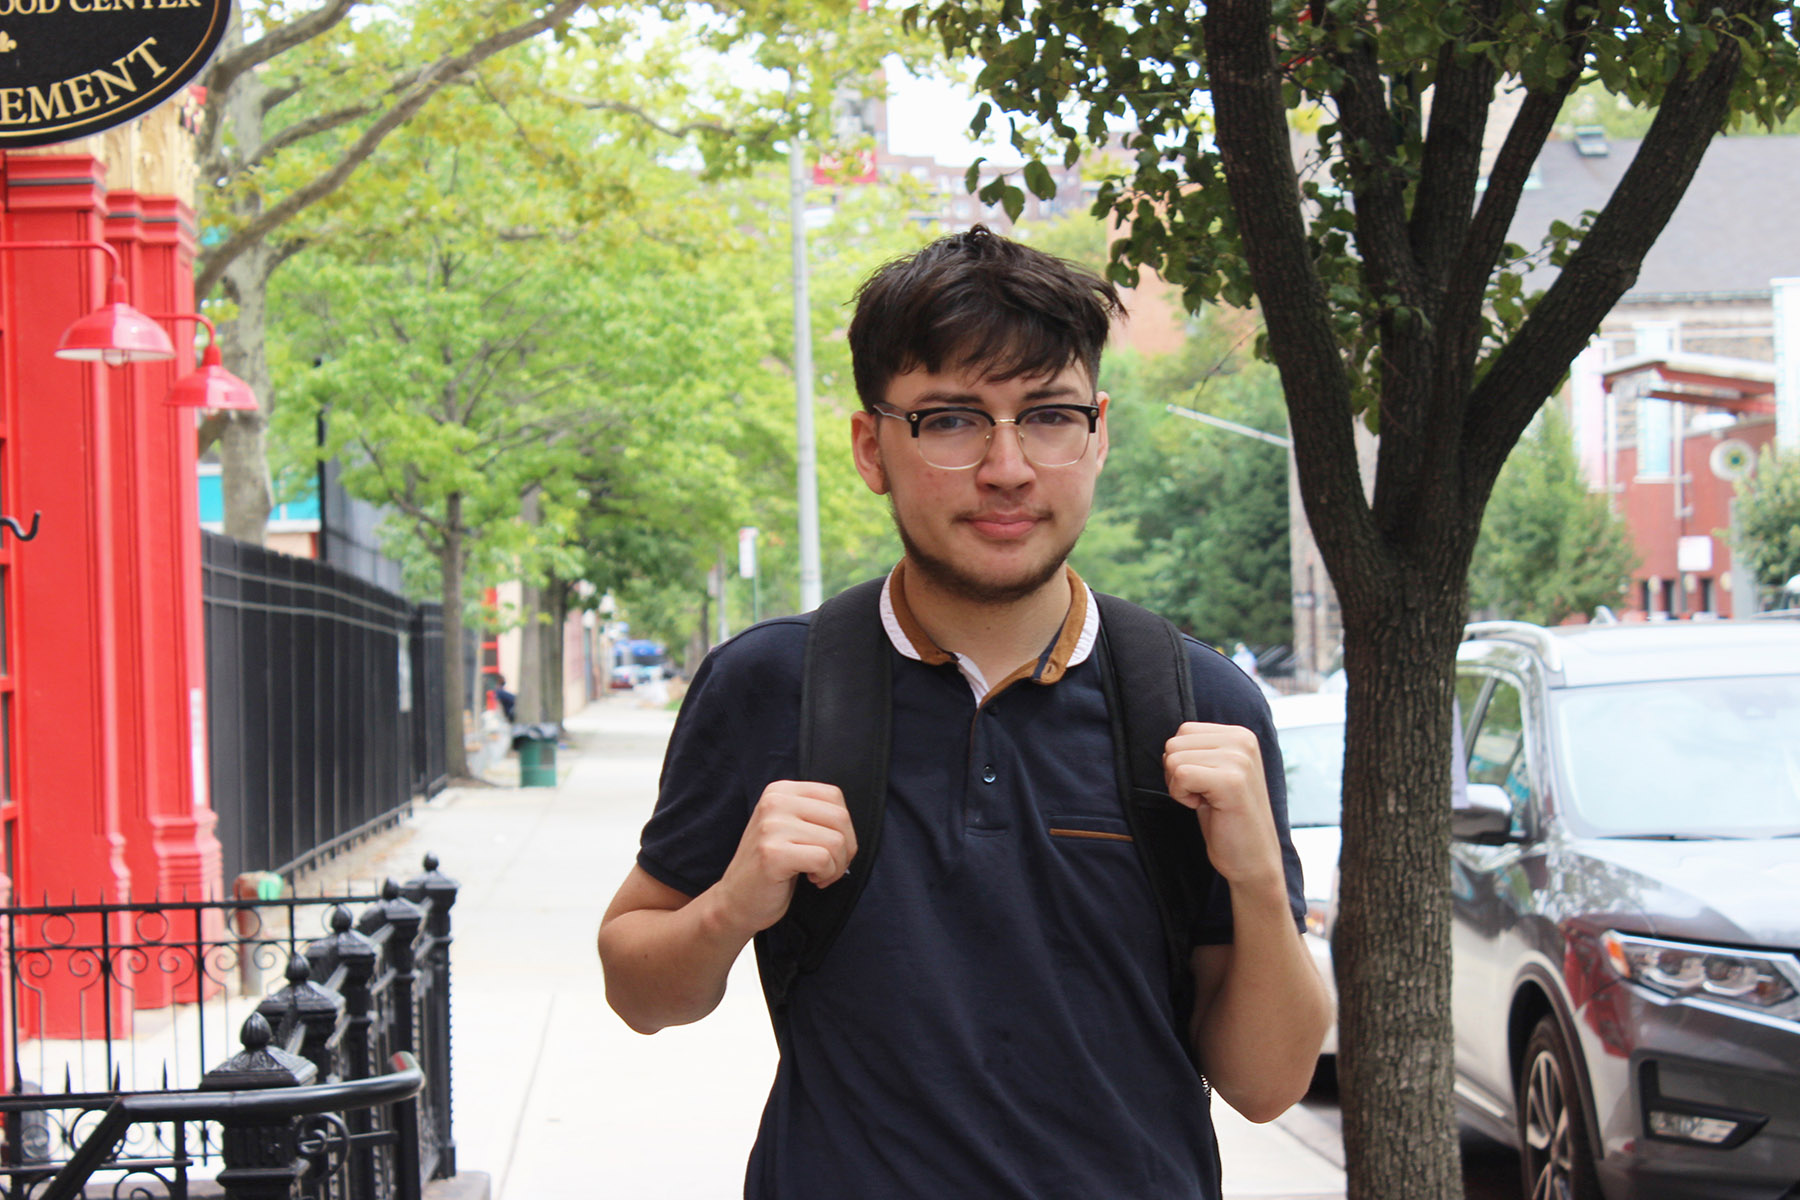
x=259, y=1064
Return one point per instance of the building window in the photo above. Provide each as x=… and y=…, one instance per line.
x=1655, y=438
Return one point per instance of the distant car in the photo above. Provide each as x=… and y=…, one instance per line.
x=1310, y=728
x=1625, y=880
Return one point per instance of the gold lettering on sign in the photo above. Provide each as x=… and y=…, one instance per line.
x=76, y=95
x=47, y=107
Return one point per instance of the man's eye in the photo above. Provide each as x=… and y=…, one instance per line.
x=940, y=424
x=1052, y=416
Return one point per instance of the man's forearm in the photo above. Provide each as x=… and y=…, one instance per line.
x=668, y=966
x=1260, y=1025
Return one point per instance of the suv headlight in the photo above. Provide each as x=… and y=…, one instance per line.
x=1765, y=983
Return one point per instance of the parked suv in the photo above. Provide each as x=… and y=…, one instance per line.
x=1626, y=886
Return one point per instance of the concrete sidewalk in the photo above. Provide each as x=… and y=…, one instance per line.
x=554, y=1098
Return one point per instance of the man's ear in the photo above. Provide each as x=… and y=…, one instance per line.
x=1105, y=402
x=865, y=449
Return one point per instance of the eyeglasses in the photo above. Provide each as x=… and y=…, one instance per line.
x=954, y=439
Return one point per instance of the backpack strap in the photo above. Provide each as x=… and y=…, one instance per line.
x=1149, y=693
x=846, y=707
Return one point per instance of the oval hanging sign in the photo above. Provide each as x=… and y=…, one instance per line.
x=70, y=68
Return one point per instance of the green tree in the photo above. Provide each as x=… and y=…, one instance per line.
x=863, y=227
x=1768, y=518
x=491, y=350
x=1549, y=547
x=297, y=102
x=1390, y=294
x=1192, y=520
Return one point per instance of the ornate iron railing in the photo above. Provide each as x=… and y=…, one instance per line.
x=95, y=1079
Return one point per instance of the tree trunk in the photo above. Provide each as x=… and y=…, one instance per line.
x=555, y=596
x=1391, y=943
x=456, y=699
x=243, y=443
x=531, y=702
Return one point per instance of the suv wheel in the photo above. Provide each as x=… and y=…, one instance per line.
x=1556, y=1150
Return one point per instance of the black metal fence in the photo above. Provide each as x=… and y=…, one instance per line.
x=358, y=1039
x=325, y=702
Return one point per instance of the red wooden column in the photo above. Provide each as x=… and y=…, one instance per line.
x=68, y=735
x=71, y=844
x=189, y=858
x=166, y=819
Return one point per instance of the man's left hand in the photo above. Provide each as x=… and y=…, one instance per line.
x=1217, y=771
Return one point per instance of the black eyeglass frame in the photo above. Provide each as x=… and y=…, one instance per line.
x=914, y=417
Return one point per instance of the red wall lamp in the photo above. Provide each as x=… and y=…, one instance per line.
x=212, y=386
x=115, y=333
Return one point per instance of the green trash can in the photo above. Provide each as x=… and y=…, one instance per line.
x=536, y=745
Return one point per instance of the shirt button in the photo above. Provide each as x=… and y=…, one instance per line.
x=988, y=774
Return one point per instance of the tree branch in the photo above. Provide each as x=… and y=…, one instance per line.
x=643, y=117
x=212, y=428
x=1253, y=143
x=401, y=495
x=274, y=98
x=430, y=80
x=1378, y=181
x=301, y=130
x=1466, y=287
x=227, y=68
x=1444, y=200
x=1605, y=264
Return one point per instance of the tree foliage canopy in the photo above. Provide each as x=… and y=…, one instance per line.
x=1192, y=521
x=1768, y=513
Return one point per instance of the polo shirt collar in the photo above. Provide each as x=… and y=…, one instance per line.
x=1072, y=645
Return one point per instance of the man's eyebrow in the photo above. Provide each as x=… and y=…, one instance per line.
x=960, y=399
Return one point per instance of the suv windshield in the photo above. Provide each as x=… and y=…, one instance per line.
x=1704, y=757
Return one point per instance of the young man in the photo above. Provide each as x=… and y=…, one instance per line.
x=996, y=1017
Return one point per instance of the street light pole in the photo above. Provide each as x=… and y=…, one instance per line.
x=807, y=453
x=1274, y=439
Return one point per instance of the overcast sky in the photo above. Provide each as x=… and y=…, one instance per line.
x=932, y=117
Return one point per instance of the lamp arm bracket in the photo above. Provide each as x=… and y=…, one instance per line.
x=19, y=530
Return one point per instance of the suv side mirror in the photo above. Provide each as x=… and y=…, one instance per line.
x=1484, y=816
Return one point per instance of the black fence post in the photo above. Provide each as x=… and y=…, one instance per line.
x=311, y=1007
x=439, y=893
x=399, y=921
x=350, y=957
x=353, y=954
x=262, y=1158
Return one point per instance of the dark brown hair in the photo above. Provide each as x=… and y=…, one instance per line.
x=978, y=301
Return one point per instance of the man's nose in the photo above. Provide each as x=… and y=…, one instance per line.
x=1005, y=464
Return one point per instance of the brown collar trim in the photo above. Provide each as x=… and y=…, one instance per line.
x=1047, y=668
x=927, y=650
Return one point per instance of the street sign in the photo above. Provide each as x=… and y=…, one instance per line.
x=746, y=545
x=70, y=68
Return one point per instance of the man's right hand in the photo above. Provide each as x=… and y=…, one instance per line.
x=667, y=955
x=797, y=828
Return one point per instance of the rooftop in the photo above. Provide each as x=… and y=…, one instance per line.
x=1733, y=232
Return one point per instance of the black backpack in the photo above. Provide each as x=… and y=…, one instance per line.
x=845, y=718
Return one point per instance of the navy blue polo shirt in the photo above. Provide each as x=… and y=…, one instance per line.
x=995, y=1019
